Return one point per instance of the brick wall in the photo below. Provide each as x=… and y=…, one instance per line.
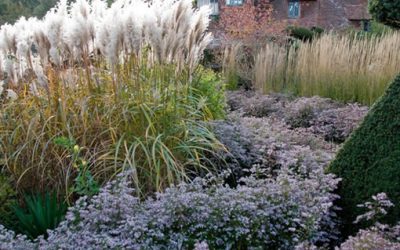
x=258, y=17
x=308, y=13
x=243, y=21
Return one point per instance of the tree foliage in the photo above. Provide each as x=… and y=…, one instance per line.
x=386, y=12
x=12, y=10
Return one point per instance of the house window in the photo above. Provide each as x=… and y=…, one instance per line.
x=366, y=25
x=294, y=8
x=234, y=2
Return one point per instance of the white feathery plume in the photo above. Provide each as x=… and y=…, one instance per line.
x=153, y=30
x=41, y=78
x=133, y=28
x=54, y=21
x=198, y=38
x=172, y=29
x=80, y=30
x=1, y=87
x=98, y=8
x=1, y=66
x=41, y=42
x=24, y=41
x=22, y=37
x=9, y=68
x=7, y=39
x=109, y=32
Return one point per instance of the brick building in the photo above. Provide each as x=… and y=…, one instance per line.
x=251, y=17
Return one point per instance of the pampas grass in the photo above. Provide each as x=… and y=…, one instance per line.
x=172, y=32
x=117, y=80
x=346, y=68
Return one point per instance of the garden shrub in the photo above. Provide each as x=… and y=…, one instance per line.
x=376, y=29
x=317, y=30
x=241, y=153
x=302, y=112
x=209, y=86
x=258, y=136
x=11, y=240
x=301, y=33
x=368, y=162
x=372, y=239
x=302, y=118
x=336, y=124
x=254, y=104
x=332, y=120
x=269, y=213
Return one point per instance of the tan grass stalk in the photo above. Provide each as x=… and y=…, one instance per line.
x=346, y=68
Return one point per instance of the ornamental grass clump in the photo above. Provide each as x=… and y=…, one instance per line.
x=118, y=81
x=345, y=68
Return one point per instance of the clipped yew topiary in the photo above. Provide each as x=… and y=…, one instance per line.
x=369, y=161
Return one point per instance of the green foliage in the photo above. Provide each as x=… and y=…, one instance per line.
x=376, y=30
x=12, y=10
x=65, y=142
x=140, y=113
x=368, y=163
x=303, y=33
x=8, y=198
x=232, y=80
x=386, y=12
x=41, y=8
x=317, y=30
x=41, y=213
x=210, y=88
x=84, y=183
x=379, y=29
x=152, y=124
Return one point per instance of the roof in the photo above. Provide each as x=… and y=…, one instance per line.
x=357, y=12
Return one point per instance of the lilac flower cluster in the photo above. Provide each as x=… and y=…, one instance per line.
x=378, y=206
x=270, y=213
x=9, y=240
x=379, y=236
x=275, y=131
x=270, y=144
x=321, y=116
x=289, y=207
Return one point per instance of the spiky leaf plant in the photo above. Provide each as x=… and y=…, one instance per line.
x=40, y=214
